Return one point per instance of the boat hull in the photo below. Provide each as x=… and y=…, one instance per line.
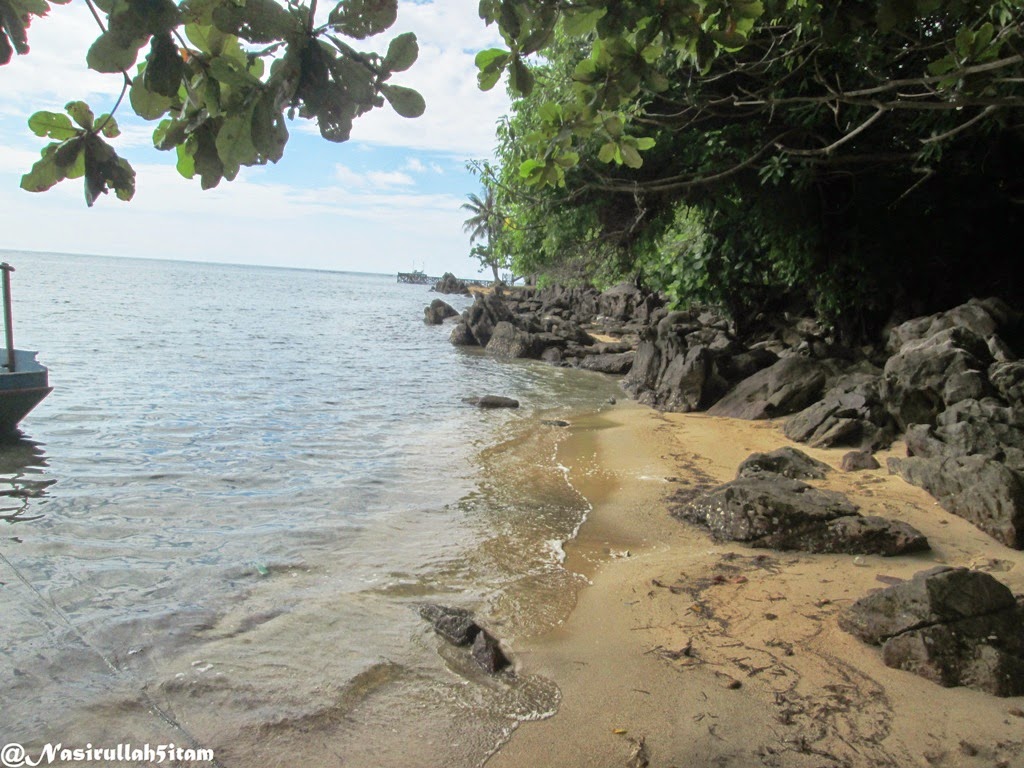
x=21, y=390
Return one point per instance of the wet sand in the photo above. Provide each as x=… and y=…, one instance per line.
x=690, y=653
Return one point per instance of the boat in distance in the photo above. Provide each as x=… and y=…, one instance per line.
x=24, y=381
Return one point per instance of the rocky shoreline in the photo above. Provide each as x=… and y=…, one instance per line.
x=949, y=386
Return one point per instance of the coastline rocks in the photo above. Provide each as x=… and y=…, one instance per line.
x=953, y=626
x=777, y=512
x=787, y=386
x=616, y=364
x=478, y=322
x=491, y=401
x=438, y=312
x=449, y=283
x=510, y=342
x=986, y=493
x=785, y=461
x=486, y=651
x=852, y=413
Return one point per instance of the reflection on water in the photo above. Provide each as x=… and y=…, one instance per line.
x=251, y=480
x=22, y=464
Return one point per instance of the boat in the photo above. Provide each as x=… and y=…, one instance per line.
x=24, y=381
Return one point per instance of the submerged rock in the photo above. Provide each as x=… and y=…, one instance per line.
x=773, y=511
x=456, y=625
x=953, y=626
x=486, y=651
x=491, y=401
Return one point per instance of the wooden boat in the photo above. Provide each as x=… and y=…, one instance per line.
x=24, y=382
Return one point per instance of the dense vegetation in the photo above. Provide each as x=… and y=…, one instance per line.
x=857, y=156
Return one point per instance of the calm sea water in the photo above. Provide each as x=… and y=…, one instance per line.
x=216, y=530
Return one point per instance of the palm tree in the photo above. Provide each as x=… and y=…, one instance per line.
x=484, y=224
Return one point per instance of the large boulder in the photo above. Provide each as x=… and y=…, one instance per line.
x=987, y=493
x=773, y=511
x=982, y=317
x=953, y=626
x=617, y=363
x=973, y=428
x=483, y=316
x=787, y=386
x=449, y=283
x=1008, y=380
x=928, y=374
x=438, y=312
x=851, y=414
x=510, y=342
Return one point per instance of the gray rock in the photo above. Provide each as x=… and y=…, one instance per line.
x=509, y=342
x=780, y=513
x=785, y=461
x=1008, y=379
x=487, y=653
x=787, y=386
x=438, y=312
x=973, y=428
x=462, y=336
x=487, y=311
x=981, y=317
x=449, y=283
x=617, y=364
x=916, y=377
x=456, y=625
x=987, y=493
x=491, y=401
x=953, y=626
x=855, y=461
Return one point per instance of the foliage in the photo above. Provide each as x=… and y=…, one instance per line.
x=221, y=77
x=485, y=224
x=825, y=148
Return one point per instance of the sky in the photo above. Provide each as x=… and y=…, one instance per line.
x=388, y=200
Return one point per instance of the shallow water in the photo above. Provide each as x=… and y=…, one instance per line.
x=216, y=530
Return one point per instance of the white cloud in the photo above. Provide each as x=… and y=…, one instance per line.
x=415, y=165
x=373, y=179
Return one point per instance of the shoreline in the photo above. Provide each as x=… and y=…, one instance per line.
x=683, y=651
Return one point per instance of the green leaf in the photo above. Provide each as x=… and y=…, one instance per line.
x=731, y=41
x=207, y=38
x=186, y=165
x=402, y=53
x=607, y=152
x=45, y=172
x=269, y=132
x=258, y=21
x=114, y=52
x=492, y=57
x=165, y=68
x=145, y=103
x=363, y=18
x=234, y=143
x=550, y=112
x=405, y=101
x=108, y=126
x=577, y=23
x=613, y=125
x=645, y=142
x=630, y=156
x=80, y=113
x=52, y=124
x=520, y=78
x=529, y=167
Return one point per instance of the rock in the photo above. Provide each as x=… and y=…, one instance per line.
x=461, y=335
x=456, y=625
x=449, y=283
x=953, y=626
x=972, y=428
x=786, y=461
x=777, y=512
x=851, y=413
x=510, y=342
x=855, y=461
x=491, y=401
x=1008, y=379
x=487, y=653
x=616, y=364
x=916, y=377
x=487, y=311
x=438, y=312
x=787, y=386
x=620, y=302
x=554, y=423
x=987, y=493
x=980, y=317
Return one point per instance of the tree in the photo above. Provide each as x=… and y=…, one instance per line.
x=853, y=152
x=485, y=224
x=221, y=77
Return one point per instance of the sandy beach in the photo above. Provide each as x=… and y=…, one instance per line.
x=686, y=652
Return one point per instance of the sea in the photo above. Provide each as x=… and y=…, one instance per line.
x=218, y=529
